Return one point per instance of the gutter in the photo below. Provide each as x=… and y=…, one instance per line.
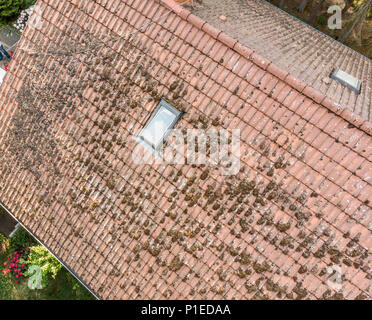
x=55, y=256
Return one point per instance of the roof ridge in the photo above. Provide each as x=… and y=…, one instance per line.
x=269, y=66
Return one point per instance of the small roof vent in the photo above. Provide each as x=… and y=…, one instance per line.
x=346, y=79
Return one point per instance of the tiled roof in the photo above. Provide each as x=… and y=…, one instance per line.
x=294, y=46
x=299, y=204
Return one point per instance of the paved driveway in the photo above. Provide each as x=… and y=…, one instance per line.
x=8, y=36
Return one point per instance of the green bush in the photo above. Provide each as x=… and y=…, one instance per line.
x=21, y=239
x=6, y=286
x=10, y=9
x=49, y=266
x=322, y=21
x=56, y=282
x=28, y=3
x=78, y=290
x=3, y=239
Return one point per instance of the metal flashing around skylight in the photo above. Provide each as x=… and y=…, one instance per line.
x=346, y=80
x=157, y=127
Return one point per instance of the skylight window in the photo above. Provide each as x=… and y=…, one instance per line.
x=346, y=79
x=157, y=127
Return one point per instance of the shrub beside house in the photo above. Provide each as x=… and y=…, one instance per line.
x=20, y=258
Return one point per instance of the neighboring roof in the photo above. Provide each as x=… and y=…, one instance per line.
x=9, y=37
x=294, y=46
x=299, y=204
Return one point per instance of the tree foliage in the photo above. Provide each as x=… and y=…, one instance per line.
x=6, y=286
x=9, y=9
x=21, y=240
x=315, y=11
x=356, y=21
x=301, y=7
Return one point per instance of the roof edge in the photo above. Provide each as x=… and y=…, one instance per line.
x=270, y=67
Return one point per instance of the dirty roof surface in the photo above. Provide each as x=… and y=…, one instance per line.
x=294, y=46
x=299, y=204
